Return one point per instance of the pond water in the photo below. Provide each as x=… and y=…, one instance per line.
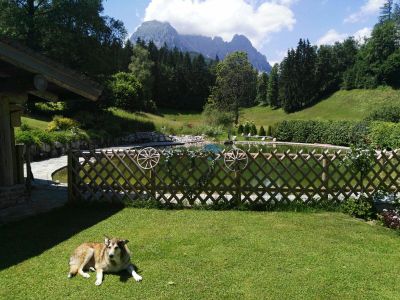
x=266, y=148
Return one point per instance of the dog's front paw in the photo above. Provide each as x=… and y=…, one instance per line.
x=86, y=275
x=98, y=282
x=137, y=278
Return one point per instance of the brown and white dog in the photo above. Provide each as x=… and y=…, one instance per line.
x=111, y=256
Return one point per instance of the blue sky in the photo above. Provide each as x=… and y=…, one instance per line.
x=273, y=26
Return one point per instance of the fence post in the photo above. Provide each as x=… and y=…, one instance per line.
x=29, y=175
x=19, y=163
x=71, y=177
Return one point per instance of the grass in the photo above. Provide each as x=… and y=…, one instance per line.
x=205, y=255
x=35, y=123
x=342, y=105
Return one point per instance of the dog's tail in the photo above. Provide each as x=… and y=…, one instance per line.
x=73, y=267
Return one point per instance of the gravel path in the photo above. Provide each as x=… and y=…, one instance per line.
x=43, y=169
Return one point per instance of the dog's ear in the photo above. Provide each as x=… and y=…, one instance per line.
x=106, y=240
x=123, y=242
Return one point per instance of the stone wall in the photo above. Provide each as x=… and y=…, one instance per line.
x=12, y=195
x=45, y=151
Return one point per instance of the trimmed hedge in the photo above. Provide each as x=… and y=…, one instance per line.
x=341, y=133
x=390, y=113
x=382, y=135
x=385, y=135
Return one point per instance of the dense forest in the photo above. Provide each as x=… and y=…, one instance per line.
x=174, y=79
x=77, y=34
x=142, y=77
x=309, y=73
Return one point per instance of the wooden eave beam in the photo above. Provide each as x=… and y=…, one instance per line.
x=53, y=72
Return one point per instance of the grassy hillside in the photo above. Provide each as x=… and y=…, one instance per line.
x=343, y=105
x=34, y=123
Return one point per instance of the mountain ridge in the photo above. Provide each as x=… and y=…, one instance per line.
x=163, y=33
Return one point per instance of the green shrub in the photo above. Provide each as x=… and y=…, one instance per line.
x=211, y=131
x=262, y=132
x=385, y=135
x=240, y=129
x=342, y=133
x=26, y=137
x=284, y=131
x=60, y=124
x=269, y=130
x=337, y=133
x=360, y=134
x=215, y=117
x=44, y=136
x=361, y=207
x=128, y=93
x=253, y=129
x=390, y=113
x=25, y=127
x=247, y=128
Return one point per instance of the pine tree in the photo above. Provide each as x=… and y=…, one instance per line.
x=273, y=87
x=262, y=87
x=240, y=129
x=396, y=13
x=253, y=129
x=298, y=85
x=269, y=131
x=262, y=132
x=247, y=128
x=386, y=11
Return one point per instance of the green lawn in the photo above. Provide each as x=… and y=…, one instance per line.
x=192, y=254
x=342, y=105
x=35, y=123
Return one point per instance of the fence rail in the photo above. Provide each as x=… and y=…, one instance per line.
x=187, y=179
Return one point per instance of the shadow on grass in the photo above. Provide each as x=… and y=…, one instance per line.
x=124, y=275
x=177, y=112
x=30, y=237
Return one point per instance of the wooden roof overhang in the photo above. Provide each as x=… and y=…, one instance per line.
x=24, y=70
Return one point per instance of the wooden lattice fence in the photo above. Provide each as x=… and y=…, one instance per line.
x=184, y=178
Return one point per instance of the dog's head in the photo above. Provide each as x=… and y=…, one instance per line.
x=114, y=246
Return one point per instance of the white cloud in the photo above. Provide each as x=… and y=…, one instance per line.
x=254, y=18
x=333, y=36
x=362, y=34
x=279, y=56
x=370, y=7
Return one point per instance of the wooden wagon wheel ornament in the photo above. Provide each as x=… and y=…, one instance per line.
x=236, y=160
x=148, y=158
